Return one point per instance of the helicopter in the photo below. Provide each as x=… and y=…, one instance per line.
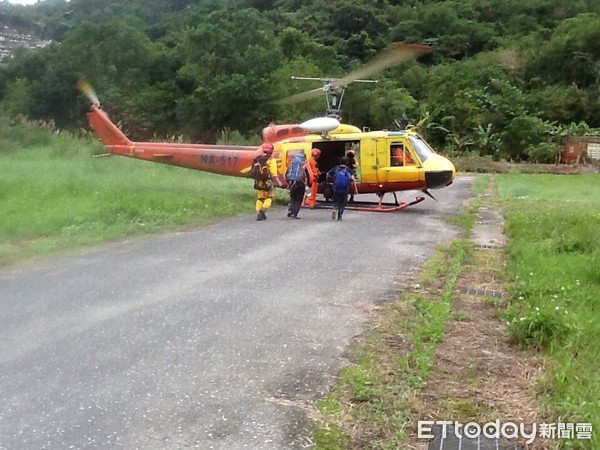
x=387, y=161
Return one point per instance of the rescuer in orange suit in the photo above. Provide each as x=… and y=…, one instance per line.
x=314, y=170
x=264, y=196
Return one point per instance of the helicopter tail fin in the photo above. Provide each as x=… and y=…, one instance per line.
x=110, y=135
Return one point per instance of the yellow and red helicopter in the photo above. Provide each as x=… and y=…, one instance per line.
x=387, y=161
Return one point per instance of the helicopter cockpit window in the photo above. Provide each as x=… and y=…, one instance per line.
x=421, y=147
x=400, y=156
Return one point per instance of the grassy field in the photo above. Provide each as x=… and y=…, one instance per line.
x=554, y=259
x=54, y=195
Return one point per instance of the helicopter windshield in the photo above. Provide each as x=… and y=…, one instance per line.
x=421, y=147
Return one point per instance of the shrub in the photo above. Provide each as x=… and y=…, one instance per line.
x=541, y=327
x=544, y=152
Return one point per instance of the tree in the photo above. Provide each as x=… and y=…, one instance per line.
x=229, y=59
x=121, y=63
x=571, y=55
x=522, y=137
x=17, y=99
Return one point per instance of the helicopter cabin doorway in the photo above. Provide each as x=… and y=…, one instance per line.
x=331, y=152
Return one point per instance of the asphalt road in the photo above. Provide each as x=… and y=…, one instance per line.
x=219, y=337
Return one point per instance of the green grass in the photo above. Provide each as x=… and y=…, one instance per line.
x=553, y=222
x=54, y=195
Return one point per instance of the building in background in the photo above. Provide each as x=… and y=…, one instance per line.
x=580, y=150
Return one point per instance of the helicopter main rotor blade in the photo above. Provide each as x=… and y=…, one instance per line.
x=395, y=54
x=301, y=96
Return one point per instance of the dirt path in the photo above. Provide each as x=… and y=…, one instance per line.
x=479, y=375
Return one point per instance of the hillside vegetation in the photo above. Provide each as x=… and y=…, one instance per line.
x=505, y=79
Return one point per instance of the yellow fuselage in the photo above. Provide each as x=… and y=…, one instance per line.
x=387, y=161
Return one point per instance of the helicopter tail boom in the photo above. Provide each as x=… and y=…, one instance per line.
x=221, y=159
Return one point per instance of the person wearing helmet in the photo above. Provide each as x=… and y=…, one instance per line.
x=266, y=189
x=268, y=148
x=311, y=198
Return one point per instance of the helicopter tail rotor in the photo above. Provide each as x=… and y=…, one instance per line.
x=110, y=135
x=86, y=88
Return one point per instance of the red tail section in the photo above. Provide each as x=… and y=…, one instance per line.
x=108, y=132
x=234, y=160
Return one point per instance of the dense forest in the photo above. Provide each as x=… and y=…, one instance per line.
x=505, y=78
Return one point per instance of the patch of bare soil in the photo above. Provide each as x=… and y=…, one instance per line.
x=479, y=375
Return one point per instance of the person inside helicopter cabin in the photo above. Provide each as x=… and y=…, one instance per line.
x=265, y=186
x=400, y=156
x=311, y=198
x=341, y=177
x=352, y=165
x=299, y=177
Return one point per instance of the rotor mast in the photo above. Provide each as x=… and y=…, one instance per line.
x=334, y=93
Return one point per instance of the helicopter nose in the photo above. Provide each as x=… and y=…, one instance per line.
x=438, y=178
x=440, y=174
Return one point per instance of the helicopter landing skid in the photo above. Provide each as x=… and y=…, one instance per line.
x=382, y=207
x=379, y=206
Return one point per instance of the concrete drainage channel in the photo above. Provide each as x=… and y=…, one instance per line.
x=482, y=292
x=448, y=437
x=487, y=234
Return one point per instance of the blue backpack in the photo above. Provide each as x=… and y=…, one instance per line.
x=297, y=172
x=342, y=179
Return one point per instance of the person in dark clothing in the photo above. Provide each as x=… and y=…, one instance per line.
x=341, y=178
x=352, y=166
x=299, y=177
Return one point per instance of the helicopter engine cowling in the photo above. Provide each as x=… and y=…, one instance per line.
x=274, y=133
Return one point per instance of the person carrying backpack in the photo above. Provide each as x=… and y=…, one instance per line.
x=298, y=178
x=341, y=177
x=264, y=172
